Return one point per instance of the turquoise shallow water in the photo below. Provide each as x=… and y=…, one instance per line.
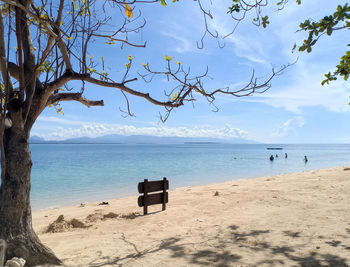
x=68, y=174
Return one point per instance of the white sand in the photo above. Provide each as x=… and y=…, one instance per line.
x=300, y=219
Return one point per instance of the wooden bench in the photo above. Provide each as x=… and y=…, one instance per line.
x=147, y=199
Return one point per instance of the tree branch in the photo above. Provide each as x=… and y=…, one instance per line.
x=19, y=34
x=56, y=33
x=3, y=60
x=14, y=70
x=74, y=97
x=73, y=76
x=66, y=77
x=126, y=89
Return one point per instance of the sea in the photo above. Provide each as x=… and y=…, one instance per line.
x=71, y=174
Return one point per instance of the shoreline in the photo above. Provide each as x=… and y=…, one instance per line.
x=298, y=219
x=95, y=173
x=129, y=194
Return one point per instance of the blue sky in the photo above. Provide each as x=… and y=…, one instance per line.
x=297, y=109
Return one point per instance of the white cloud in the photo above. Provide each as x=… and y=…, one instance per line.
x=247, y=41
x=98, y=129
x=289, y=126
x=306, y=90
x=59, y=120
x=184, y=45
x=247, y=47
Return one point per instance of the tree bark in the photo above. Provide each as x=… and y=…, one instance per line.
x=15, y=210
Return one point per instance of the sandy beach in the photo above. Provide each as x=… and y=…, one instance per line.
x=299, y=219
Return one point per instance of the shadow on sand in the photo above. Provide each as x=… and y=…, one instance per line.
x=224, y=247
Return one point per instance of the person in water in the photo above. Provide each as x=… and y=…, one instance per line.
x=276, y=155
x=272, y=158
x=285, y=155
x=305, y=159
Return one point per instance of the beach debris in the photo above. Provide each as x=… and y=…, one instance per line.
x=235, y=185
x=15, y=262
x=57, y=226
x=130, y=216
x=216, y=194
x=347, y=169
x=110, y=215
x=60, y=218
x=200, y=220
x=103, y=203
x=77, y=224
x=94, y=217
x=61, y=225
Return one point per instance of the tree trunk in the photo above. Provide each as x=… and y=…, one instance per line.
x=15, y=210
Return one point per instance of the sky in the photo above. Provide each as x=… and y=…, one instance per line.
x=296, y=109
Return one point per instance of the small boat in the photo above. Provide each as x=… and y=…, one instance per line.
x=274, y=148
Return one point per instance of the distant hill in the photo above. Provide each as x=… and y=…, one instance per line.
x=140, y=139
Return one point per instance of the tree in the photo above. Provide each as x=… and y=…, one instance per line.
x=53, y=40
x=339, y=20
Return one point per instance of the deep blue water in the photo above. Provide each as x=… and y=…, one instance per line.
x=68, y=174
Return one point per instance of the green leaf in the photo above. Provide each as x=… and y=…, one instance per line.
x=167, y=58
x=265, y=21
x=302, y=48
x=329, y=30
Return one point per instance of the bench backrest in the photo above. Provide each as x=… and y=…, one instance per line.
x=147, y=199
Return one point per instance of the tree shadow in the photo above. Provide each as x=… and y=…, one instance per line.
x=177, y=249
x=166, y=244
x=208, y=257
x=333, y=243
x=223, y=250
x=288, y=252
x=292, y=234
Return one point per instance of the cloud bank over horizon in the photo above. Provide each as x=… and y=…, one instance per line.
x=74, y=129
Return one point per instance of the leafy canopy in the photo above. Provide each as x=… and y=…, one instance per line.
x=339, y=20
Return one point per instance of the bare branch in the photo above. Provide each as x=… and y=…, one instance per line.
x=56, y=34
x=14, y=70
x=19, y=34
x=3, y=58
x=73, y=97
x=65, y=78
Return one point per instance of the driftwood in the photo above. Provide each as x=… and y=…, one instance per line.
x=2, y=252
